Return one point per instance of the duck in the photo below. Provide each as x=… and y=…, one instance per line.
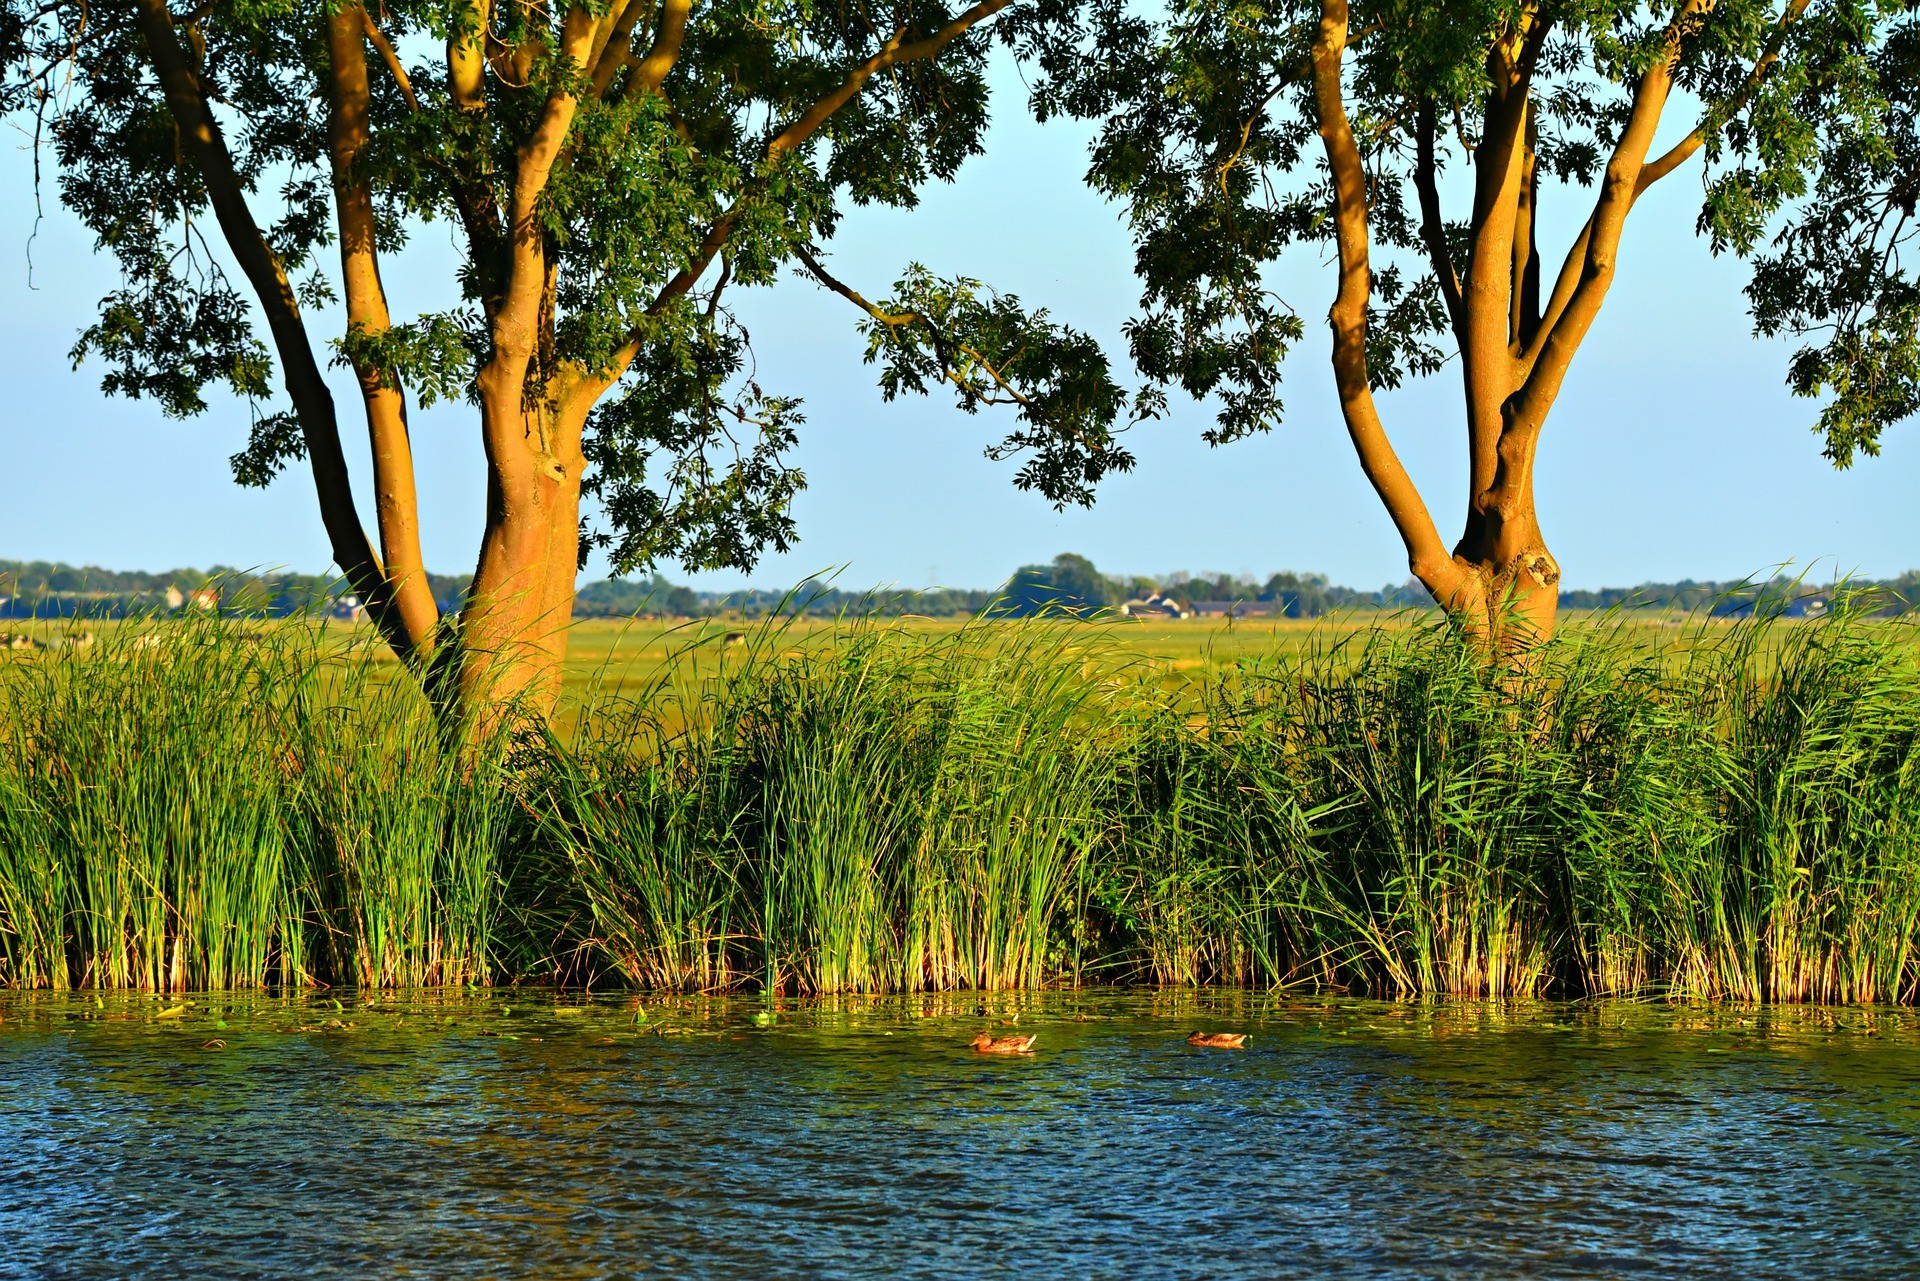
x=987, y=1043
x=1218, y=1040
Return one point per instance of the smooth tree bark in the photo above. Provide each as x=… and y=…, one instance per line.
x=1232, y=137
x=612, y=168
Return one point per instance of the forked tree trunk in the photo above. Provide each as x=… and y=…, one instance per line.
x=1508, y=586
x=1499, y=582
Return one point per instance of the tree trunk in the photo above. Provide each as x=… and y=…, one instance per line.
x=513, y=629
x=1509, y=585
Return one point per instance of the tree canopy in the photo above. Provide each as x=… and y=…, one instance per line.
x=616, y=170
x=1418, y=143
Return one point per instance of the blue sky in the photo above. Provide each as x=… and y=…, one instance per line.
x=1674, y=452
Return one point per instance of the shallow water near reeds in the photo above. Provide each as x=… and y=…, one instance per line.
x=540, y=1134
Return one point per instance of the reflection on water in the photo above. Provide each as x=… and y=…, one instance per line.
x=533, y=1134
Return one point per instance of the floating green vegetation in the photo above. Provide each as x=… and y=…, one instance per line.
x=1729, y=812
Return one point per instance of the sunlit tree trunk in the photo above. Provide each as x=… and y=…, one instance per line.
x=513, y=629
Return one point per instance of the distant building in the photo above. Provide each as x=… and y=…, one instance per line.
x=1154, y=605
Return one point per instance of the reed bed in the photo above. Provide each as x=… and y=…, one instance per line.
x=1727, y=812
x=196, y=805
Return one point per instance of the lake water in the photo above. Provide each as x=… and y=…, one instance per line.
x=535, y=1134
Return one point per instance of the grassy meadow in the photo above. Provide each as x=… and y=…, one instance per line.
x=1724, y=810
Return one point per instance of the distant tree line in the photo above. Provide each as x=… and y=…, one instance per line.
x=657, y=597
x=1069, y=585
x=1072, y=585
x=1791, y=596
x=43, y=589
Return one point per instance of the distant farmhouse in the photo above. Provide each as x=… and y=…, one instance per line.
x=1154, y=605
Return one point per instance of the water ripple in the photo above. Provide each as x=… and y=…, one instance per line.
x=510, y=1134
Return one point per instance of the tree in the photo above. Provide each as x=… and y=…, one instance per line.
x=612, y=168
x=1233, y=132
x=1070, y=585
x=1299, y=596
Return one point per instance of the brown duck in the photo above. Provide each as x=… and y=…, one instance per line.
x=987, y=1043
x=1218, y=1040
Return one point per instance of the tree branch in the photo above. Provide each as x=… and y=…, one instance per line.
x=651, y=71
x=1426, y=555
x=1525, y=304
x=613, y=40
x=1652, y=172
x=472, y=195
x=466, y=54
x=396, y=504
x=391, y=57
x=895, y=52
x=515, y=326
x=1618, y=189
x=944, y=347
x=892, y=54
x=1683, y=150
x=1486, y=358
x=300, y=372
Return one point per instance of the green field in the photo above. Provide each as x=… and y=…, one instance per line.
x=629, y=657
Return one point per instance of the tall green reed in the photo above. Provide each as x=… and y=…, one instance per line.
x=1725, y=811
x=149, y=797
x=200, y=804
x=406, y=826
x=887, y=812
x=1811, y=890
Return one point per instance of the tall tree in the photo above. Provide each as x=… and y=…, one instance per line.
x=1233, y=132
x=613, y=169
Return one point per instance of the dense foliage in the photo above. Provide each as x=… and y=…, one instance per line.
x=656, y=182
x=1208, y=118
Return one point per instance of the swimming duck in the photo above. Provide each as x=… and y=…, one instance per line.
x=1218, y=1040
x=986, y=1043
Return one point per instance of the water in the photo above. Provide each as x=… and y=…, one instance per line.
x=512, y=1135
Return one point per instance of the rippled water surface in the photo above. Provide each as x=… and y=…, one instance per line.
x=534, y=1134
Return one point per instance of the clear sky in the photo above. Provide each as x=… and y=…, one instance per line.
x=1674, y=452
